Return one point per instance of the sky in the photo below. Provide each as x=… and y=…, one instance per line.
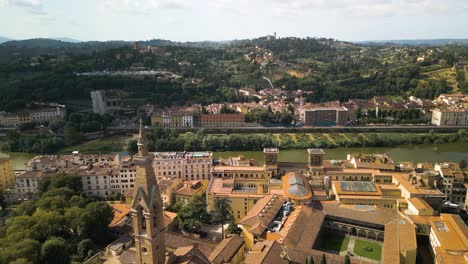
x=197, y=20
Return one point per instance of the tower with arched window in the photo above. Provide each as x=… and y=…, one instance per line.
x=147, y=212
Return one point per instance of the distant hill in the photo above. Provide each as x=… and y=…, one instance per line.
x=71, y=40
x=16, y=49
x=416, y=42
x=4, y=39
x=37, y=43
x=196, y=44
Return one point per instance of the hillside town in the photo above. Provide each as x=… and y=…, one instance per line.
x=285, y=212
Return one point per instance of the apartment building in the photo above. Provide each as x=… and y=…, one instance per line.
x=450, y=117
x=176, y=117
x=243, y=193
x=324, y=116
x=124, y=180
x=7, y=176
x=99, y=174
x=452, y=181
x=48, y=114
x=183, y=165
x=44, y=113
x=14, y=119
x=222, y=120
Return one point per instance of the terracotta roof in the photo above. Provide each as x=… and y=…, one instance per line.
x=3, y=160
x=420, y=204
x=191, y=188
x=400, y=237
x=32, y=174
x=262, y=213
x=120, y=212
x=272, y=252
x=174, y=240
x=366, y=214
x=225, y=251
x=189, y=255
x=402, y=178
x=304, y=229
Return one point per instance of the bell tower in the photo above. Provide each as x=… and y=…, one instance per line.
x=271, y=160
x=147, y=208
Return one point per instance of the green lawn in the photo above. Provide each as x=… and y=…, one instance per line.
x=102, y=145
x=374, y=250
x=334, y=242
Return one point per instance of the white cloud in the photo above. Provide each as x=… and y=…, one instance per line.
x=373, y=7
x=33, y=7
x=144, y=6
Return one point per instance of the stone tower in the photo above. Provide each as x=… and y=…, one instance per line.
x=315, y=157
x=271, y=160
x=147, y=208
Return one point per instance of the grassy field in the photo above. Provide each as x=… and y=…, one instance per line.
x=334, y=242
x=368, y=249
x=447, y=74
x=102, y=145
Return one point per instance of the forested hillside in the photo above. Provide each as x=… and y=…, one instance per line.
x=207, y=72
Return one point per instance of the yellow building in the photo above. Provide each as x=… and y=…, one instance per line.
x=257, y=172
x=242, y=193
x=417, y=206
x=230, y=250
x=157, y=120
x=449, y=239
x=7, y=176
x=190, y=189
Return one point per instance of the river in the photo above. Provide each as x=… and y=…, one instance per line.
x=417, y=153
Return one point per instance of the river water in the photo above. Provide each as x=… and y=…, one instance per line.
x=417, y=153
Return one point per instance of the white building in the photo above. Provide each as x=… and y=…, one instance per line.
x=99, y=105
x=44, y=115
x=183, y=165
x=125, y=179
x=450, y=117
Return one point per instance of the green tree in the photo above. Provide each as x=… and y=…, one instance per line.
x=193, y=215
x=24, y=248
x=462, y=164
x=233, y=229
x=175, y=207
x=60, y=180
x=95, y=221
x=21, y=261
x=71, y=135
x=221, y=213
x=55, y=251
x=347, y=259
x=84, y=249
x=25, y=208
